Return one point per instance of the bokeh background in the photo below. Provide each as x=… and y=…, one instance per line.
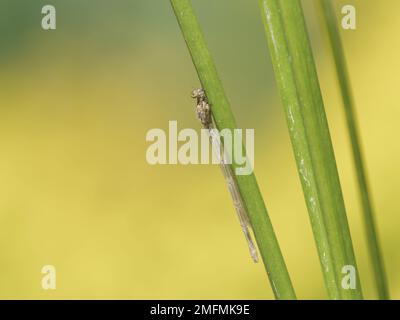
x=76, y=191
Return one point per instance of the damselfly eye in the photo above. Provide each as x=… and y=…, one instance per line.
x=198, y=93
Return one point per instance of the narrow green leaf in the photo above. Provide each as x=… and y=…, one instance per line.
x=298, y=84
x=263, y=231
x=348, y=103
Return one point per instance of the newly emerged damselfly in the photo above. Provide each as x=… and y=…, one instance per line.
x=204, y=113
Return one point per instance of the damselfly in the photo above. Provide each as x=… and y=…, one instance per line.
x=204, y=113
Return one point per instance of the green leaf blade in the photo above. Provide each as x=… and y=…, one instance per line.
x=266, y=240
x=375, y=253
x=298, y=84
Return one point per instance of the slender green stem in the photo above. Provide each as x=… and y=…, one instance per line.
x=348, y=103
x=263, y=231
x=298, y=84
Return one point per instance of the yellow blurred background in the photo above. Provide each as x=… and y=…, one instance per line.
x=76, y=191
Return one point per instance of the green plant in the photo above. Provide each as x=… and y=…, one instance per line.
x=329, y=18
x=298, y=84
x=263, y=231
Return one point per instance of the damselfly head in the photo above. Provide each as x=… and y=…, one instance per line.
x=198, y=94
